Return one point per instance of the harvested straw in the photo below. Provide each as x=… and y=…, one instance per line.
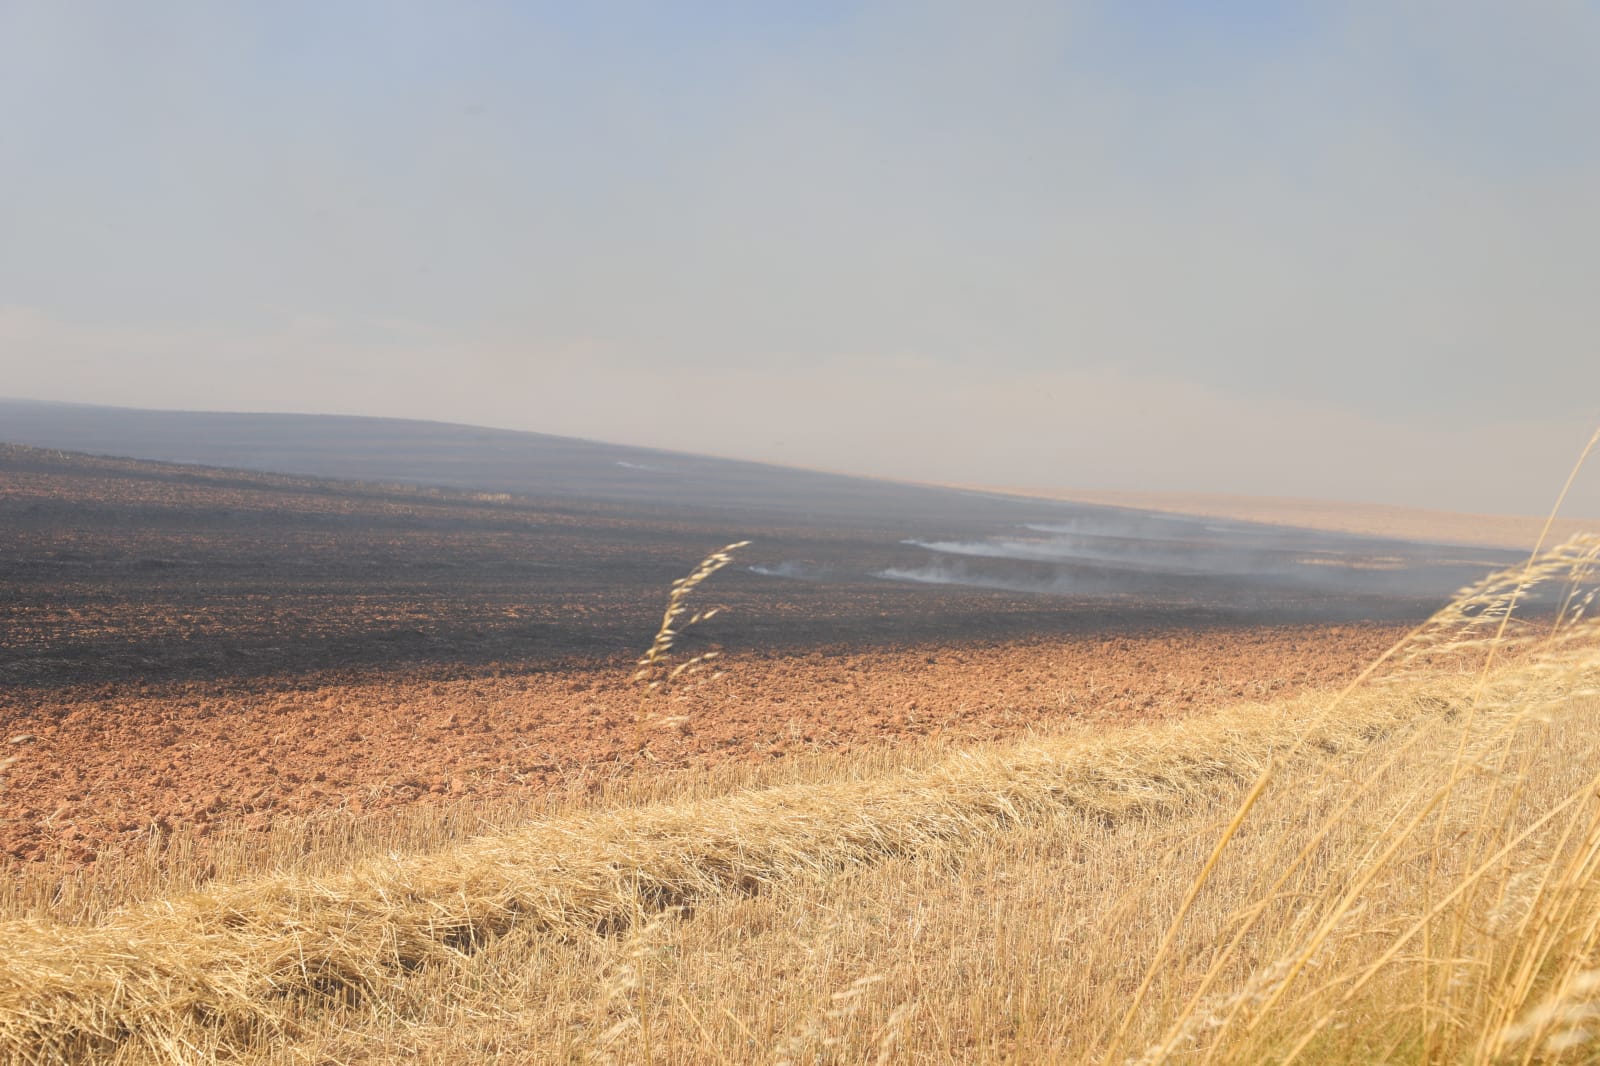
x=237, y=965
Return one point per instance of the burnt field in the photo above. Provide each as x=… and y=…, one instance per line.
x=186, y=647
x=132, y=571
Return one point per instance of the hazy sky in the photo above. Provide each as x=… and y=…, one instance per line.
x=1339, y=250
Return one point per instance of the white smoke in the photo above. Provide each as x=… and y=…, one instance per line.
x=946, y=574
x=1113, y=552
x=793, y=570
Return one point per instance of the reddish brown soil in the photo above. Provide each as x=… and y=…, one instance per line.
x=101, y=765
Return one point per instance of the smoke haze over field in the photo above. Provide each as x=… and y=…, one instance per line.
x=1106, y=551
x=1330, y=250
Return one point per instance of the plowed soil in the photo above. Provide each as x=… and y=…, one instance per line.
x=184, y=647
x=104, y=765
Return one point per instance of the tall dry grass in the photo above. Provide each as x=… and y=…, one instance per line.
x=1404, y=871
x=232, y=965
x=1022, y=946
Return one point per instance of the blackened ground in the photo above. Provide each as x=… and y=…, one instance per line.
x=120, y=570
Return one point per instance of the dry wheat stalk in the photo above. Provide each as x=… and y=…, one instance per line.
x=656, y=671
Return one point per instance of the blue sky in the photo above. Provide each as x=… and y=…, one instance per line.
x=1331, y=250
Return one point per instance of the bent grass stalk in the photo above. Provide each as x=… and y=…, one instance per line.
x=656, y=672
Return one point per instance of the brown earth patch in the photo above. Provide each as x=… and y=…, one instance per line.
x=105, y=766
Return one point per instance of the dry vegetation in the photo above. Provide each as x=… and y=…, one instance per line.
x=1402, y=871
